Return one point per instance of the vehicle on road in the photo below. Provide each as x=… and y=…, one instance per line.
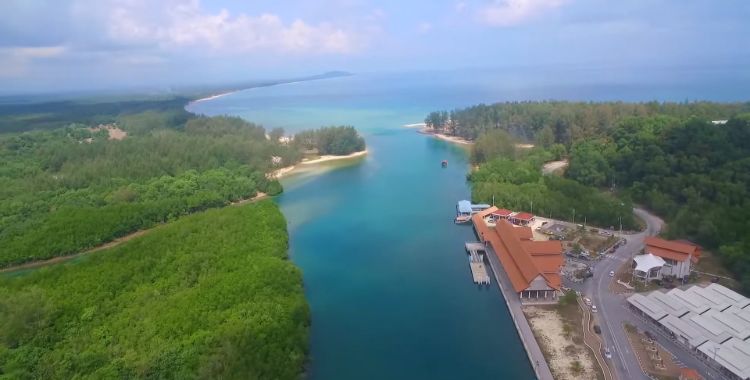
x=587, y=301
x=593, y=308
x=611, y=273
x=607, y=353
x=597, y=329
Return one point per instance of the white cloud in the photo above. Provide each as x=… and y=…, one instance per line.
x=15, y=61
x=424, y=27
x=506, y=13
x=184, y=23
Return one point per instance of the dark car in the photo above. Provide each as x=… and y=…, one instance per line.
x=597, y=329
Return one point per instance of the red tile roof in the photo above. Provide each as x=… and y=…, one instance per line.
x=524, y=233
x=516, y=257
x=538, y=248
x=502, y=212
x=523, y=216
x=673, y=250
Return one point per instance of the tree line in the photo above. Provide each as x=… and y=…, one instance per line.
x=339, y=141
x=516, y=182
x=210, y=296
x=559, y=122
x=693, y=172
x=685, y=161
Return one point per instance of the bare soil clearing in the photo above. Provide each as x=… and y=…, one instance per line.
x=561, y=343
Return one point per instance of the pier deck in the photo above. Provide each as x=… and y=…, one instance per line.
x=476, y=263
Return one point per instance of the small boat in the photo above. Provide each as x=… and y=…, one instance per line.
x=462, y=218
x=444, y=163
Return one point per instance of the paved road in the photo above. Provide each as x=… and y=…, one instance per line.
x=613, y=310
x=611, y=314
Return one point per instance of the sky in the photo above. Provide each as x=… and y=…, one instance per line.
x=51, y=45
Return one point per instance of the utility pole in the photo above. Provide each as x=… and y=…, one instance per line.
x=574, y=216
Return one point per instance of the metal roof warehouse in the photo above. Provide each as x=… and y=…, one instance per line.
x=713, y=321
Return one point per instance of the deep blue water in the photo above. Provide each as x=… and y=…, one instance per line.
x=384, y=267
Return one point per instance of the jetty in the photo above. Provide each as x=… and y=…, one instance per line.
x=465, y=209
x=479, y=273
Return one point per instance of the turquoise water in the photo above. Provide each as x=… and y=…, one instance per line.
x=384, y=266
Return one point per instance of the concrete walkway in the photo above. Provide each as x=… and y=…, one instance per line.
x=541, y=369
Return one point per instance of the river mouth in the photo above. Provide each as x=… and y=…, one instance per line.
x=384, y=266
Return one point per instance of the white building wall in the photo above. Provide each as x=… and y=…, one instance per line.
x=680, y=270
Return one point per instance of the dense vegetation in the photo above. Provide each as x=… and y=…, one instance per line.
x=547, y=123
x=338, y=141
x=518, y=184
x=209, y=296
x=669, y=157
x=51, y=115
x=62, y=195
x=694, y=173
x=69, y=189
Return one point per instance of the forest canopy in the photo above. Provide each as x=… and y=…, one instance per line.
x=550, y=122
x=694, y=173
x=209, y=296
x=69, y=189
x=518, y=184
x=338, y=141
x=688, y=162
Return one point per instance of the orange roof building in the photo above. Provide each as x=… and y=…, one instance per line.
x=690, y=374
x=533, y=267
x=678, y=255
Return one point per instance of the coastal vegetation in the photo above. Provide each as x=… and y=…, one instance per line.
x=685, y=161
x=692, y=172
x=550, y=122
x=337, y=141
x=69, y=189
x=212, y=295
x=518, y=184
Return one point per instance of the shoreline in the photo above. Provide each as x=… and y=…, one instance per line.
x=289, y=170
x=331, y=157
x=212, y=97
x=441, y=136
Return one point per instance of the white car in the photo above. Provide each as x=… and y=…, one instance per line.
x=607, y=353
x=611, y=273
x=587, y=301
x=593, y=308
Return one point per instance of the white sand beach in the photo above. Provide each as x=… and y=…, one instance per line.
x=333, y=158
x=453, y=139
x=213, y=97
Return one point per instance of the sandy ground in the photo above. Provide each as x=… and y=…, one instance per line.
x=332, y=158
x=114, y=132
x=277, y=174
x=453, y=139
x=213, y=97
x=549, y=327
x=552, y=166
x=415, y=125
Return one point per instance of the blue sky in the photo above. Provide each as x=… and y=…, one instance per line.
x=48, y=45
